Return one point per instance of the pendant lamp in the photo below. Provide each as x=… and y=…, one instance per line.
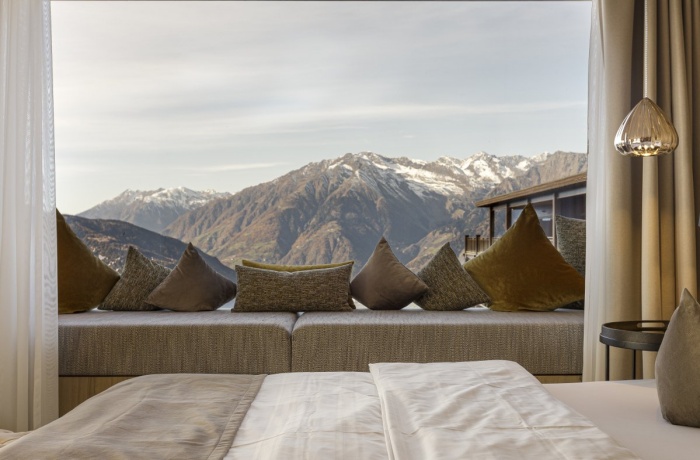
x=646, y=131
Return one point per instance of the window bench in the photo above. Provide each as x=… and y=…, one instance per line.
x=100, y=348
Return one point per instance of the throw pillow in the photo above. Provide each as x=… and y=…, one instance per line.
x=384, y=283
x=83, y=279
x=324, y=289
x=298, y=268
x=678, y=365
x=451, y=287
x=192, y=286
x=139, y=278
x=571, y=240
x=523, y=270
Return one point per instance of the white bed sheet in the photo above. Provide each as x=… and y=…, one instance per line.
x=332, y=415
x=629, y=412
x=339, y=415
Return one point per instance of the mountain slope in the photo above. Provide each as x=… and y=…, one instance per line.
x=153, y=209
x=338, y=209
x=110, y=239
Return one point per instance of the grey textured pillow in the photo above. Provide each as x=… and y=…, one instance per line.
x=451, y=287
x=324, y=289
x=678, y=365
x=139, y=277
x=384, y=283
x=192, y=286
x=571, y=242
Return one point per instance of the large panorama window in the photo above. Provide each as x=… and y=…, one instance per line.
x=301, y=132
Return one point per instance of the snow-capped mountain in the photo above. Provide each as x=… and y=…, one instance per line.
x=338, y=209
x=152, y=209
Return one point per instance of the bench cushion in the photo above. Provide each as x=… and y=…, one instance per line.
x=542, y=342
x=137, y=343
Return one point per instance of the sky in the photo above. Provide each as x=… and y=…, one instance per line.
x=226, y=95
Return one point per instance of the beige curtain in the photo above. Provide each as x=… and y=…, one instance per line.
x=642, y=219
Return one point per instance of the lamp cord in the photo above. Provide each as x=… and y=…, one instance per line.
x=646, y=49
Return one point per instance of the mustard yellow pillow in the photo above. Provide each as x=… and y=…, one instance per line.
x=299, y=268
x=524, y=271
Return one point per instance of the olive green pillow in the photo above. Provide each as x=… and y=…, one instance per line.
x=83, y=279
x=451, y=287
x=140, y=277
x=384, y=283
x=324, y=289
x=299, y=268
x=192, y=286
x=678, y=365
x=524, y=271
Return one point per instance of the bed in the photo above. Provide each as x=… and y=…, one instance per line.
x=483, y=409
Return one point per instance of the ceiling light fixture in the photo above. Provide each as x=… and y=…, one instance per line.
x=646, y=131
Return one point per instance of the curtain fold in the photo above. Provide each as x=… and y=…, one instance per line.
x=642, y=228
x=28, y=293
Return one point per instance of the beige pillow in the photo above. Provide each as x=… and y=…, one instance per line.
x=384, y=283
x=83, y=280
x=140, y=277
x=524, y=271
x=451, y=287
x=192, y=286
x=678, y=365
x=307, y=290
x=298, y=268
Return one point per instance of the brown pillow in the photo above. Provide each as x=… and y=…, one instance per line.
x=523, y=270
x=307, y=290
x=83, y=280
x=192, y=286
x=384, y=283
x=298, y=268
x=140, y=277
x=678, y=365
x=451, y=287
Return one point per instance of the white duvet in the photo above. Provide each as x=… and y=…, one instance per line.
x=484, y=410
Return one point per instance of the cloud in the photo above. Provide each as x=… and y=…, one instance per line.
x=230, y=167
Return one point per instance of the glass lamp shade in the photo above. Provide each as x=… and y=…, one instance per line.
x=646, y=131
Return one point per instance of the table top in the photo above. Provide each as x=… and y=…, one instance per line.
x=635, y=335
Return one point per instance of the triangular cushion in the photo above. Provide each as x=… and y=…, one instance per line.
x=524, y=271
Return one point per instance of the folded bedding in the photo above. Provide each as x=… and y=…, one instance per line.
x=485, y=409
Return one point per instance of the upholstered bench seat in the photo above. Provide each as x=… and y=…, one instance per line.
x=545, y=343
x=115, y=343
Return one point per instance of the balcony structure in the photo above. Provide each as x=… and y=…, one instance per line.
x=564, y=197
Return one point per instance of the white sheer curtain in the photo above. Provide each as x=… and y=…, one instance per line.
x=641, y=213
x=28, y=295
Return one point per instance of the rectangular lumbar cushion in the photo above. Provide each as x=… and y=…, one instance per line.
x=299, y=268
x=323, y=289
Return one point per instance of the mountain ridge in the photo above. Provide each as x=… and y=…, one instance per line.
x=337, y=209
x=152, y=209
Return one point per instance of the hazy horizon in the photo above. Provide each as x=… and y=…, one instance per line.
x=226, y=95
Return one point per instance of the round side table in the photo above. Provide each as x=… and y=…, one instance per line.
x=633, y=335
